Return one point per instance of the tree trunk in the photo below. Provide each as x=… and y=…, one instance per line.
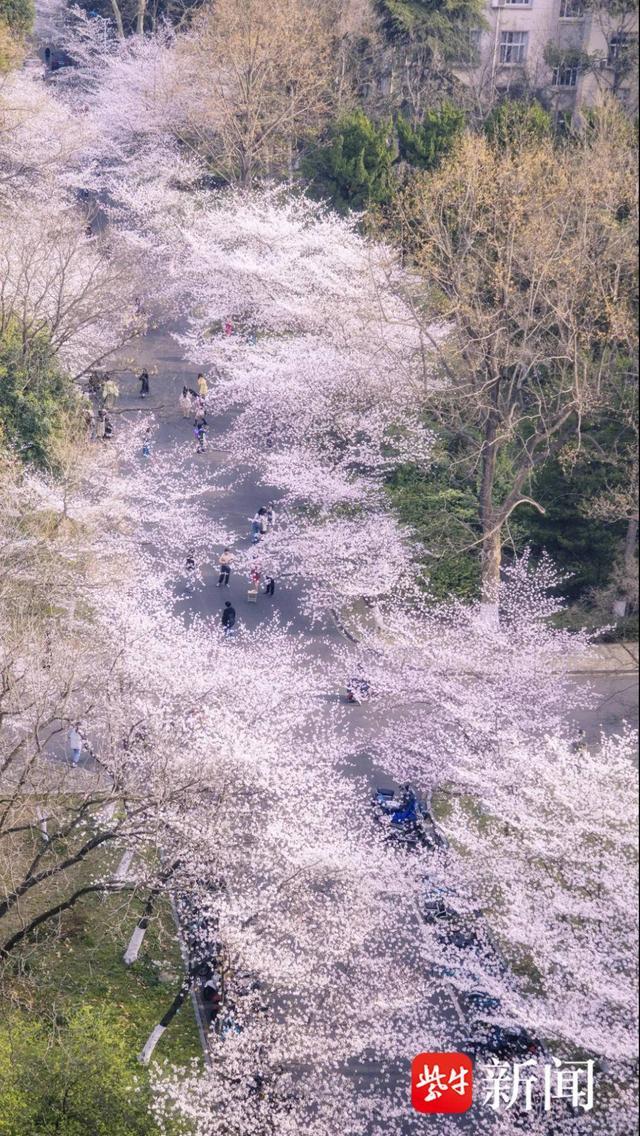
x=622, y=605
x=491, y=528
x=137, y=939
x=156, y=1033
x=118, y=18
x=491, y=560
x=142, y=8
x=135, y=942
x=122, y=871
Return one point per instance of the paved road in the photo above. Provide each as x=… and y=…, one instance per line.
x=616, y=695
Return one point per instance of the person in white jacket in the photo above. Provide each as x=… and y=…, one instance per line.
x=76, y=742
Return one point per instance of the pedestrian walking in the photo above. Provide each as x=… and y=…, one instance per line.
x=146, y=443
x=200, y=416
x=200, y=432
x=203, y=386
x=226, y=560
x=228, y=617
x=94, y=384
x=108, y=427
x=76, y=742
x=101, y=422
x=190, y=571
x=228, y=327
x=110, y=392
x=185, y=403
x=143, y=379
x=269, y=586
x=264, y=524
x=256, y=528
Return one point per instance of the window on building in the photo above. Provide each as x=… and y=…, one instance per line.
x=566, y=75
x=517, y=3
x=618, y=45
x=467, y=51
x=513, y=47
x=571, y=9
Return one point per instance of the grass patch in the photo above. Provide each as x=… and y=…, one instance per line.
x=79, y=959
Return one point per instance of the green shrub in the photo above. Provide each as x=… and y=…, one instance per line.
x=517, y=123
x=443, y=512
x=425, y=145
x=38, y=404
x=78, y=1078
x=353, y=170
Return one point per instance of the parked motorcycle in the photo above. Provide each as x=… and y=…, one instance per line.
x=407, y=819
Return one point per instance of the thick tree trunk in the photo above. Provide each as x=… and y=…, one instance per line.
x=118, y=18
x=137, y=939
x=491, y=560
x=122, y=871
x=135, y=942
x=621, y=606
x=156, y=1033
x=142, y=8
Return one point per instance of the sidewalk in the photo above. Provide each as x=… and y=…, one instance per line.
x=607, y=658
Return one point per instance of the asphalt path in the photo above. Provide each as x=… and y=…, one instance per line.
x=615, y=696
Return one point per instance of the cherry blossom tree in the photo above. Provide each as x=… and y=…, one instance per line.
x=226, y=773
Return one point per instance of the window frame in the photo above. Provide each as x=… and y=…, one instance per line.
x=571, y=69
x=571, y=15
x=521, y=46
x=616, y=45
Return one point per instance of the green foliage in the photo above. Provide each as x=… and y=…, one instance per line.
x=518, y=123
x=579, y=544
x=18, y=15
x=439, y=21
x=77, y=1077
x=442, y=506
x=443, y=511
x=353, y=170
x=425, y=145
x=38, y=404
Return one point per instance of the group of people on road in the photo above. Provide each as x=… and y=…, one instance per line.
x=103, y=393
x=193, y=402
x=225, y=564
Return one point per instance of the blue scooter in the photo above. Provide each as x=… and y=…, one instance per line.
x=407, y=820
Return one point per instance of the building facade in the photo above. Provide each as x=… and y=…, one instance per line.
x=568, y=52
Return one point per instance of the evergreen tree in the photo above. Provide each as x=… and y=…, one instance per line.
x=426, y=144
x=353, y=170
x=517, y=123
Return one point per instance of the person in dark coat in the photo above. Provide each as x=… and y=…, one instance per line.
x=228, y=617
x=143, y=379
